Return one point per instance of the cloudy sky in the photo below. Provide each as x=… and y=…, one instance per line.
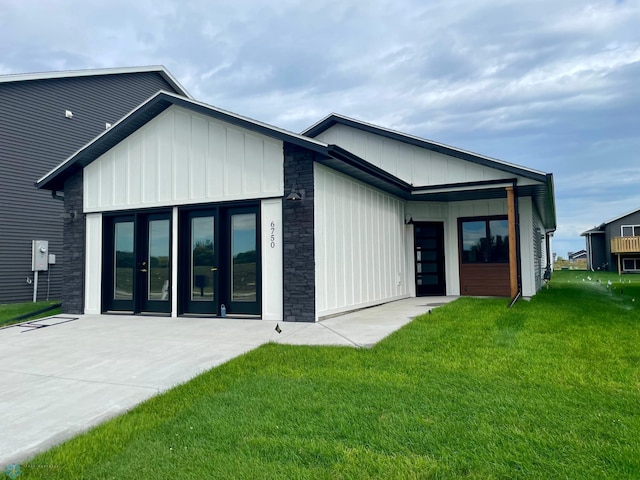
x=551, y=85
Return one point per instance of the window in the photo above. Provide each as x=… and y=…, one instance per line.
x=631, y=264
x=484, y=240
x=630, y=230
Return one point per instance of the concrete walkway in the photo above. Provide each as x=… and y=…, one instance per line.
x=62, y=375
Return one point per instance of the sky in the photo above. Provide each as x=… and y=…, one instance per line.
x=550, y=85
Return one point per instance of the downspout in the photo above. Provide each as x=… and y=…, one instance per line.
x=547, y=246
x=512, y=201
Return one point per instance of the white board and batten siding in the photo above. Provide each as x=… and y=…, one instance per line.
x=415, y=165
x=181, y=158
x=532, y=247
x=359, y=244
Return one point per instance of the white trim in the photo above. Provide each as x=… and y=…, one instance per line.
x=632, y=227
x=93, y=264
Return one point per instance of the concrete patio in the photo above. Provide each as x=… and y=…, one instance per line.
x=62, y=375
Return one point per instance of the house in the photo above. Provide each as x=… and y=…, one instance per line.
x=181, y=208
x=575, y=256
x=615, y=244
x=44, y=118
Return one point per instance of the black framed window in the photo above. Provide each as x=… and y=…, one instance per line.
x=484, y=240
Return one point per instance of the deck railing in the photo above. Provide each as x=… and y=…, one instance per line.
x=625, y=245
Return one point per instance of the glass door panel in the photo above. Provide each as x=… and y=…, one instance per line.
x=124, y=262
x=244, y=258
x=137, y=263
x=203, y=267
x=158, y=260
x=154, y=265
x=198, y=269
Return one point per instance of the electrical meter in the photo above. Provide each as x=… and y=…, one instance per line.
x=39, y=255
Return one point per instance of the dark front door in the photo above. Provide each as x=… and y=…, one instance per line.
x=219, y=261
x=429, y=258
x=199, y=262
x=137, y=263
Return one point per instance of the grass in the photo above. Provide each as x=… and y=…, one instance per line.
x=547, y=389
x=11, y=310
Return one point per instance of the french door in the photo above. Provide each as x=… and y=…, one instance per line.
x=137, y=263
x=429, y=258
x=219, y=261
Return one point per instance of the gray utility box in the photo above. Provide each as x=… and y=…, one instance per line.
x=39, y=255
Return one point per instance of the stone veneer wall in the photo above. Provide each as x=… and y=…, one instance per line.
x=298, y=233
x=73, y=247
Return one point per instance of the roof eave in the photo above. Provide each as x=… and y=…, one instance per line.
x=333, y=119
x=160, y=69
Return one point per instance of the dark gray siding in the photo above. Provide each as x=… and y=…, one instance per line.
x=599, y=252
x=613, y=229
x=35, y=137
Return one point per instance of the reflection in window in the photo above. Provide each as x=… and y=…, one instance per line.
x=202, y=259
x=485, y=241
x=244, y=265
x=158, y=271
x=124, y=262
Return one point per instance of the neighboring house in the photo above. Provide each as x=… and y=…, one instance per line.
x=44, y=118
x=579, y=255
x=188, y=207
x=615, y=244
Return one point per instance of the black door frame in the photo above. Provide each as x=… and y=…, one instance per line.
x=222, y=214
x=440, y=288
x=138, y=304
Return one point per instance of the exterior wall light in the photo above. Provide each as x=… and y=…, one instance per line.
x=295, y=196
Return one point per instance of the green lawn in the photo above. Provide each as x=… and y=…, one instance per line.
x=12, y=310
x=547, y=389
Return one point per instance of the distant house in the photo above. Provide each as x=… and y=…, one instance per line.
x=45, y=118
x=579, y=255
x=188, y=208
x=615, y=244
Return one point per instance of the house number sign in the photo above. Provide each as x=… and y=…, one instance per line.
x=272, y=231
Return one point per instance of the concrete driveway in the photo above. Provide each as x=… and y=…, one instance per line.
x=62, y=375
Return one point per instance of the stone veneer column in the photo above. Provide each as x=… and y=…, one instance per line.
x=298, y=237
x=73, y=247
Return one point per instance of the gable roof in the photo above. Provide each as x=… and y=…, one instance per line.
x=159, y=69
x=600, y=228
x=542, y=193
x=335, y=118
x=333, y=156
x=151, y=108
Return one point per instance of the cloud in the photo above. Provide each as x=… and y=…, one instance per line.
x=549, y=85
